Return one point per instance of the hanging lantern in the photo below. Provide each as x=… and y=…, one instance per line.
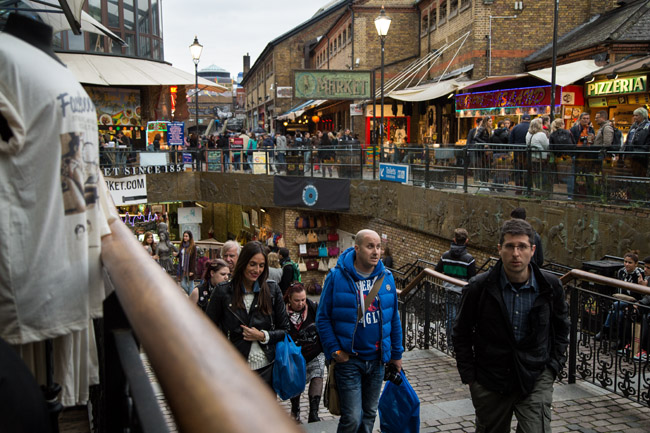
x=315, y=119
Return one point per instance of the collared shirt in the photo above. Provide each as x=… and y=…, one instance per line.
x=519, y=302
x=256, y=287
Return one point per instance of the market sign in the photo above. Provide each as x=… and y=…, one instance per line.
x=623, y=85
x=328, y=84
x=127, y=190
x=522, y=97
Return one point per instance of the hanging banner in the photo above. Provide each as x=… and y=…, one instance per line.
x=127, y=190
x=312, y=193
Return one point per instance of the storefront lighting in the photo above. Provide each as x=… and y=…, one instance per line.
x=451, y=95
x=315, y=119
x=285, y=123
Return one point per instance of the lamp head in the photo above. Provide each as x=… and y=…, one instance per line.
x=382, y=23
x=195, y=50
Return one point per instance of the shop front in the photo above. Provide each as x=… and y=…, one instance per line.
x=512, y=103
x=619, y=96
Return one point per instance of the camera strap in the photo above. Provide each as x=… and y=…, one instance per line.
x=371, y=296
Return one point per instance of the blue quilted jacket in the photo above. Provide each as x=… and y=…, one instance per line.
x=336, y=318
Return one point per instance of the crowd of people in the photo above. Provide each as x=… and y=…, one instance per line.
x=508, y=326
x=551, y=141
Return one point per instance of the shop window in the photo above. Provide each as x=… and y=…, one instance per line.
x=335, y=46
x=339, y=39
x=433, y=15
x=155, y=17
x=128, y=14
x=453, y=8
x=143, y=17
x=442, y=13
x=465, y=4
x=96, y=42
x=144, y=47
x=157, y=52
x=350, y=31
x=130, y=41
x=113, y=8
x=345, y=38
x=425, y=23
x=75, y=42
x=95, y=9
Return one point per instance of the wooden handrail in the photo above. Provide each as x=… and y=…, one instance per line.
x=208, y=385
x=579, y=274
x=431, y=273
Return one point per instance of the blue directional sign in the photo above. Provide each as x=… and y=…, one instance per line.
x=394, y=172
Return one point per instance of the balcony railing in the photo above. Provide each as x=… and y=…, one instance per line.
x=590, y=174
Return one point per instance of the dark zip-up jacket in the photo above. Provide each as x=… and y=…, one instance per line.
x=225, y=314
x=486, y=349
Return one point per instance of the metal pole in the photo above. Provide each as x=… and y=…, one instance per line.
x=381, y=126
x=553, y=68
x=196, y=96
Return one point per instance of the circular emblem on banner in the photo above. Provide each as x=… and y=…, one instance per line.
x=310, y=195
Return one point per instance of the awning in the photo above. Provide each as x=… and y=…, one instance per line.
x=567, y=74
x=495, y=79
x=298, y=110
x=59, y=22
x=425, y=92
x=124, y=71
x=633, y=64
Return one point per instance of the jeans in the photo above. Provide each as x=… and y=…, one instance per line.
x=452, y=301
x=187, y=284
x=359, y=384
x=236, y=156
x=307, y=157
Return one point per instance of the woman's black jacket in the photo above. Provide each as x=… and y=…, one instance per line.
x=229, y=318
x=486, y=349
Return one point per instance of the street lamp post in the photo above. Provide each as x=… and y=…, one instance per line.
x=195, y=50
x=382, y=23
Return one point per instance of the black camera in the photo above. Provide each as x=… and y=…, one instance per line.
x=391, y=374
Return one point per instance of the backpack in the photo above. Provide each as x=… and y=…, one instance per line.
x=618, y=138
x=296, y=271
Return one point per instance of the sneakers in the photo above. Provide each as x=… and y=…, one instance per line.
x=641, y=356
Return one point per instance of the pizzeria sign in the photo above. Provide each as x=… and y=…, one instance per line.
x=618, y=86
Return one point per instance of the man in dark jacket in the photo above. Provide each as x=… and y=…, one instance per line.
x=518, y=136
x=511, y=337
x=287, y=270
x=460, y=264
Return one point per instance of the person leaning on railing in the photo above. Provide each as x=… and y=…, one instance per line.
x=249, y=310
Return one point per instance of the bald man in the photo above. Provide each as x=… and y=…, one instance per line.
x=360, y=337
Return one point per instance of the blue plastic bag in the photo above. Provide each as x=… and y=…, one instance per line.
x=290, y=370
x=399, y=408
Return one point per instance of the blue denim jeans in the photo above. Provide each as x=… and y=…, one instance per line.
x=187, y=285
x=359, y=384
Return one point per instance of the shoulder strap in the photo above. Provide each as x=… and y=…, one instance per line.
x=371, y=295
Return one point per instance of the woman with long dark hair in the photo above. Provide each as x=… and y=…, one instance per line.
x=302, y=315
x=149, y=245
x=187, y=262
x=250, y=312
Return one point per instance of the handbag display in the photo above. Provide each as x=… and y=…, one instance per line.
x=302, y=250
x=312, y=252
x=333, y=251
x=312, y=237
x=331, y=396
x=332, y=262
x=333, y=237
x=311, y=264
x=302, y=266
x=322, y=237
x=301, y=238
x=322, y=250
x=323, y=265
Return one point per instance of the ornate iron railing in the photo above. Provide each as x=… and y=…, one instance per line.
x=616, y=361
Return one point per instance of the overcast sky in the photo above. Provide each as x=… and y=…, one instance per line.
x=228, y=29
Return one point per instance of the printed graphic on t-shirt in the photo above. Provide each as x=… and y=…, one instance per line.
x=78, y=173
x=371, y=315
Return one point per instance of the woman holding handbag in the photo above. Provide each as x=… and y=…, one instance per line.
x=250, y=312
x=302, y=315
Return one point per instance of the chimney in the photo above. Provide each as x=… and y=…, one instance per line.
x=247, y=63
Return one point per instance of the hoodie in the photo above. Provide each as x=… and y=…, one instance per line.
x=457, y=263
x=378, y=335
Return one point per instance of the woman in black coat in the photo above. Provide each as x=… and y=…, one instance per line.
x=250, y=311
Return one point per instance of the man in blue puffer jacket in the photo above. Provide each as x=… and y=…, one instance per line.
x=361, y=347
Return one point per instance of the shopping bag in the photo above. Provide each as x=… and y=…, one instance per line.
x=322, y=250
x=399, y=408
x=331, y=396
x=290, y=370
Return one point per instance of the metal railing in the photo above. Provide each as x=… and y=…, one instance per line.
x=580, y=174
x=206, y=382
x=615, y=362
